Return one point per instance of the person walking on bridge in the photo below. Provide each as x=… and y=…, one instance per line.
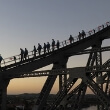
x=53, y=44
x=39, y=48
x=26, y=53
x=83, y=34
x=79, y=36
x=71, y=39
x=0, y=60
x=58, y=44
x=45, y=47
x=14, y=57
x=34, y=50
x=22, y=54
x=48, y=47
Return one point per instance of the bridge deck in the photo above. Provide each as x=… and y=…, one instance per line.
x=52, y=57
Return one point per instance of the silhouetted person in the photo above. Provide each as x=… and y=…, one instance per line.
x=94, y=31
x=71, y=39
x=39, y=48
x=65, y=43
x=48, y=47
x=53, y=44
x=79, y=36
x=83, y=34
x=22, y=54
x=45, y=46
x=34, y=50
x=103, y=26
x=58, y=44
x=25, y=53
x=0, y=60
x=14, y=58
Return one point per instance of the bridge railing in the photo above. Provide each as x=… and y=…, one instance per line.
x=17, y=58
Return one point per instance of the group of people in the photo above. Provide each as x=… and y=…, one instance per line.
x=46, y=48
x=82, y=35
x=24, y=54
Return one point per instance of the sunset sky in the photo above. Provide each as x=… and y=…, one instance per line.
x=25, y=23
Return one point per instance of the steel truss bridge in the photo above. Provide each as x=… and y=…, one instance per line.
x=95, y=75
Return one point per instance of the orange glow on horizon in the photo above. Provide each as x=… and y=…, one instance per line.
x=33, y=85
x=29, y=85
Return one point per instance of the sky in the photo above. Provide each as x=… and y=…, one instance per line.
x=25, y=23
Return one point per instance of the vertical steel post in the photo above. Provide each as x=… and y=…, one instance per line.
x=3, y=88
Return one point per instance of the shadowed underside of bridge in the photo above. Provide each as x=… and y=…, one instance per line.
x=59, y=59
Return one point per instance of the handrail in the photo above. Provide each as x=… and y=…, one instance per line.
x=11, y=60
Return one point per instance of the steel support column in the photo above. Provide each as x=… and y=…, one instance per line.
x=62, y=81
x=49, y=84
x=3, y=88
x=99, y=74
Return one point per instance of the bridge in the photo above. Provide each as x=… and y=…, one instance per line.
x=94, y=75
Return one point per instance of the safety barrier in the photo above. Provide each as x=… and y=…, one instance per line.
x=17, y=58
